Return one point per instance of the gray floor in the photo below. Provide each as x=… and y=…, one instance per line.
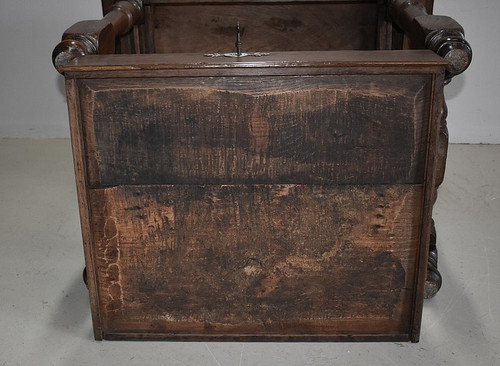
x=44, y=310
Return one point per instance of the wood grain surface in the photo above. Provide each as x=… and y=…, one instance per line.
x=266, y=26
x=262, y=259
x=291, y=63
x=285, y=197
x=327, y=129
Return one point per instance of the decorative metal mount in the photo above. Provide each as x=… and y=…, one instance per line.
x=235, y=54
x=238, y=52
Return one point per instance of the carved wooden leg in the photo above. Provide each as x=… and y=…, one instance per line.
x=445, y=37
x=434, y=280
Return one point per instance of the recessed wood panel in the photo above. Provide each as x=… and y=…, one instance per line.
x=326, y=129
x=256, y=260
x=205, y=27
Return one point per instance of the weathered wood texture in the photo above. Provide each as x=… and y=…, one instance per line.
x=276, y=63
x=291, y=202
x=97, y=36
x=310, y=130
x=79, y=146
x=201, y=26
x=442, y=34
x=261, y=260
x=434, y=279
x=293, y=26
x=286, y=197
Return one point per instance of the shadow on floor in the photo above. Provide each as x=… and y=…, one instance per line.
x=72, y=312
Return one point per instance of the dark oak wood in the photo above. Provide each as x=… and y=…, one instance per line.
x=232, y=131
x=434, y=279
x=77, y=143
x=249, y=209
x=441, y=34
x=371, y=62
x=281, y=197
x=269, y=27
x=255, y=259
x=97, y=36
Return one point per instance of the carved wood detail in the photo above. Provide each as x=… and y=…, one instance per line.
x=445, y=37
x=452, y=46
x=441, y=34
x=434, y=280
x=97, y=36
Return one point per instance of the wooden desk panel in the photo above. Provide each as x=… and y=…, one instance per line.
x=289, y=203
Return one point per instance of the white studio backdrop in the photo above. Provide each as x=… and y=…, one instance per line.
x=32, y=101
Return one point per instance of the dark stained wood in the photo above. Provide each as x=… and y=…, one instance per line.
x=266, y=27
x=256, y=259
x=434, y=280
x=431, y=181
x=308, y=211
x=107, y=5
x=123, y=15
x=131, y=37
x=411, y=61
x=446, y=38
x=84, y=38
x=309, y=130
x=263, y=112
x=283, y=2
x=441, y=34
x=375, y=9
x=282, y=197
x=77, y=143
x=97, y=36
x=429, y=6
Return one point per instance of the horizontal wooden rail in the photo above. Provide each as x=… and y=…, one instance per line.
x=440, y=34
x=97, y=36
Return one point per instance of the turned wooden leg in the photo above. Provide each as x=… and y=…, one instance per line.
x=433, y=281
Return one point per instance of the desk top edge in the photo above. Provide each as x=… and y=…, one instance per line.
x=330, y=59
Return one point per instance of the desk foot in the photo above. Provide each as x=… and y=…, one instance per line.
x=434, y=280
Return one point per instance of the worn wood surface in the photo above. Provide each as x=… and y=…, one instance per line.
x=279, y=259
x=80, y=167
x=223, y=206
x=310, y=130
x=434, y=280
x=287, y=197
x=277, y=63
x=266, y=27
x=354, y=24
x=97, y=36
x=441, y=34
x=401, y=58
x=434, y=164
